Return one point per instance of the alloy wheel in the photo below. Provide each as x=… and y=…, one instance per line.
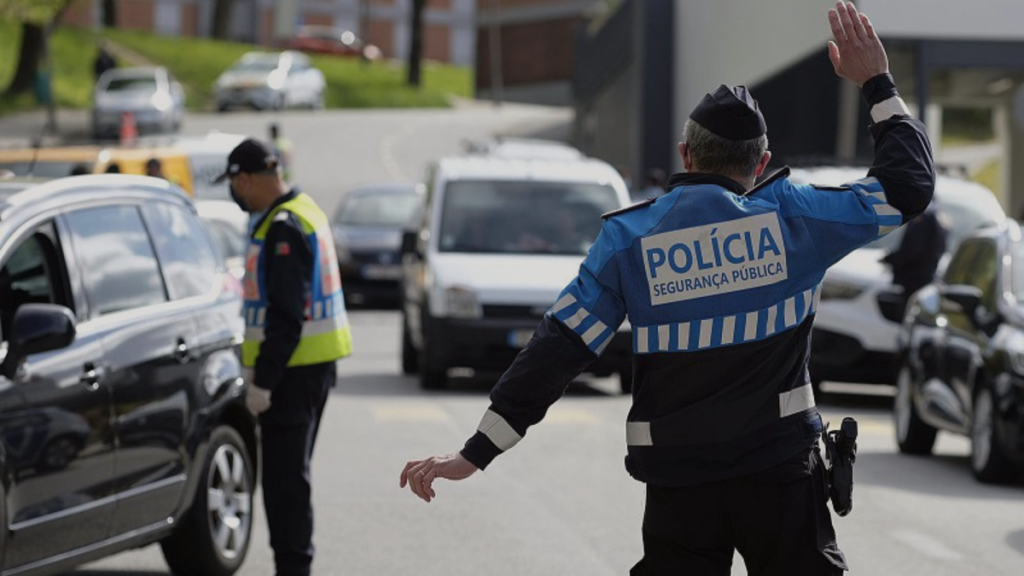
x=229, y=501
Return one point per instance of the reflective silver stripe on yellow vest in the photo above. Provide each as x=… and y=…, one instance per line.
x=325, y=331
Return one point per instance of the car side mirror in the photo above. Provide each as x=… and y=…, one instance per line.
x=891, y=304
x=37, y=328
x=967, y=297
x=410, y=242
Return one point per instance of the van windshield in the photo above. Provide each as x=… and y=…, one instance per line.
x=523, y=217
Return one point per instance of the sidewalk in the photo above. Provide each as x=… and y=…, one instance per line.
x=21, y=129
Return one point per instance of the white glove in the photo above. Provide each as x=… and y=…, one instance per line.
x=257, y=399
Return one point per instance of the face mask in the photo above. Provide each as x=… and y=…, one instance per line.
x=238, y=199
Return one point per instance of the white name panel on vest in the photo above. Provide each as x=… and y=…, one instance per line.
x=715, y=259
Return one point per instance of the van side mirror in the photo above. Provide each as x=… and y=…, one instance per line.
x=891, y=304
x=37, y=328
x=410, y=242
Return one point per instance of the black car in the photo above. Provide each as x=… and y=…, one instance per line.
x=962, y=365
x=122, y=415
x=368, y=228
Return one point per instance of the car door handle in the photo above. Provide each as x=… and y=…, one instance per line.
x=90, y=377
x=181, y=353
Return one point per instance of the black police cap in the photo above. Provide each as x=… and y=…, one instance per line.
x=731, y=113
x=250, y=156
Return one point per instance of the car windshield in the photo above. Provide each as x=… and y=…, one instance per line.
x=256, y=65
x=523, y=217
x=390, y=210
x=145, y=84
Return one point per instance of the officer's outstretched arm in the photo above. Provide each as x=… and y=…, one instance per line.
x=570, y=337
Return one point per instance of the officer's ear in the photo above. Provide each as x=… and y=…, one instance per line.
x=684, y=154
x=763, y=164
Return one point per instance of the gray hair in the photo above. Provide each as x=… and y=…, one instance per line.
x=716, y=155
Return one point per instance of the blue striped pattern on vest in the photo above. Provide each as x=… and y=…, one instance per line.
x=889, y=218
x=729, y=330
x=595, y=334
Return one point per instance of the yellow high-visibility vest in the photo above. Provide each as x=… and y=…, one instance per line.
x=325, y=331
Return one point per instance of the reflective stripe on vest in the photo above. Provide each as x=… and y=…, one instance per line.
x=325, y=331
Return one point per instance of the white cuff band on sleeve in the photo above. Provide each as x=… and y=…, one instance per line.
x=888, y=108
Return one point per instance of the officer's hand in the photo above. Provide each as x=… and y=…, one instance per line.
x=257, y=399
x=420, y=474
x=856, y=53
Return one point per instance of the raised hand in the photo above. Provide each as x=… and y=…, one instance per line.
x=856, y=52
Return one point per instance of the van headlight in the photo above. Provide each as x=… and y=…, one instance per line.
x=463, y=303
x=839, y=290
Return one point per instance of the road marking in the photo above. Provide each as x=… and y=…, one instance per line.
x=410, y=413
x=558, y=415
x=927, y=545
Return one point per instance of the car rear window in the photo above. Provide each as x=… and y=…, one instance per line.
x=510, y=217
x=186, y=255
x=132, y=84
x=119, y=269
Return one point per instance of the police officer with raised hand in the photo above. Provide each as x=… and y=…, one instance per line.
x=296, y=328
x=720, y=280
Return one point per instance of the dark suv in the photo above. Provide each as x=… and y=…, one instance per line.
x=122, y=417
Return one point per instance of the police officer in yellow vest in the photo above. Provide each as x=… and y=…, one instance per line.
x=296, y=328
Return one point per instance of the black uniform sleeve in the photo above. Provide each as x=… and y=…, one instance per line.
x=903, y=155
x=288, y=264
x=538, y=377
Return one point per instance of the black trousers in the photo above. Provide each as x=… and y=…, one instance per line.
x=289, y=430
x=778, y=521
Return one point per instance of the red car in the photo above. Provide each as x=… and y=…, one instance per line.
x=335, y=41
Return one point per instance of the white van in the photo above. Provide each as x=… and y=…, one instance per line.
x=504, y=229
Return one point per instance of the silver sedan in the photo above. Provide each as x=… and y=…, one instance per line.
x=154, y=98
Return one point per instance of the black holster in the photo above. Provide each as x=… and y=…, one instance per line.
x=841, y=453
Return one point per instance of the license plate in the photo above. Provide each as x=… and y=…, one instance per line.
x=379, y=272
x=519, y=338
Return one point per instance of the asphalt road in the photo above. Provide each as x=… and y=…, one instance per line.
x=560, y=503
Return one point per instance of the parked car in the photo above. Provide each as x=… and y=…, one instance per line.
x=368, y=227
x=332, y=41
x=504, y=229
x=852, y=339
x=271, y=81
x=119, y=335
x=962, y=366
x=155, y=98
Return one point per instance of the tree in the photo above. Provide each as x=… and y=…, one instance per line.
x=222, y=18
x=416, y=43
x=110, y=13
x=36, y=17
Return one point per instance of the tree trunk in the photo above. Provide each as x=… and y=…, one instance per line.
x=109, y=13
x=416, y=42
x=222, y=18
x=28, y=59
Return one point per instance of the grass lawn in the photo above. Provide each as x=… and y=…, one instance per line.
x=990, y=175
x=72, y=55
x=197, y=63
x=350, y=83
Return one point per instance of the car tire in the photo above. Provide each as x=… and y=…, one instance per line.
x=222, y=107
x=988, y=457
x=912, y=435
x=626, y=379
x=410, y=357
x=432, y=376
x=213, y=537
